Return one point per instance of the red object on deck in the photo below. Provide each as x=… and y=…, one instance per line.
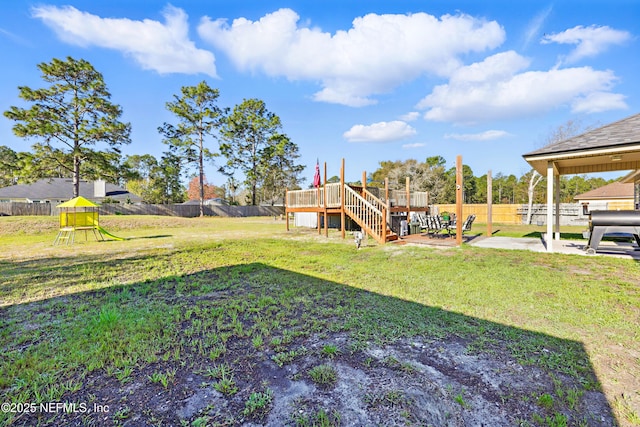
x=316, y=177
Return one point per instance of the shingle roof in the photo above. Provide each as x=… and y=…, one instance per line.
x=62, y=189
x=616, y=190
x=620, y=133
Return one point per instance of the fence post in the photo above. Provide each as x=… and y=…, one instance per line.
x=489, y=204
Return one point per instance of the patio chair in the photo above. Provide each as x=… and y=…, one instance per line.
x=466, y=225
x=435, y=225
x=422, y=220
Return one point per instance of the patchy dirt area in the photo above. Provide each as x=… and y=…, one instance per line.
x=412, y=382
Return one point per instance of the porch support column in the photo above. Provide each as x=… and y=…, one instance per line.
x=550, y=182
x=489, y=204
x=557, y=203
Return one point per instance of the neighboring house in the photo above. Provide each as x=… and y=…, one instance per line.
x=617, y=195
x=58, y=190
x=634, y=178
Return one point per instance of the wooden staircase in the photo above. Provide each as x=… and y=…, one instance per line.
x=370, y=213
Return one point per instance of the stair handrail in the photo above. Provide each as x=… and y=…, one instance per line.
x=380, y=204
x=371, y=219
x=374, y=200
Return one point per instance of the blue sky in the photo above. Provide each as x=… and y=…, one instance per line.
x=362, y=80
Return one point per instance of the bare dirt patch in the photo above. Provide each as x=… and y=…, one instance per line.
x=412, y=382
x=441, y=380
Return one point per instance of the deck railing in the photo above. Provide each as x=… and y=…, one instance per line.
x=333, y=195
x=314, y=197
x=417, y=199
x=303, y=198
x=371, y=219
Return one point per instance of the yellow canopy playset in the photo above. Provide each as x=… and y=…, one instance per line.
x=80, y=214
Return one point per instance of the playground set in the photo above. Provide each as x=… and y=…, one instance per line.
x=80, y=214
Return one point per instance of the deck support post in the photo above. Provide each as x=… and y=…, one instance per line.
x=364, y=188
x=324, y=204
x=342, y=194
x=383, y=228
x=318, y=213
x=459, y=196
x=408, y=186
x=386, y=198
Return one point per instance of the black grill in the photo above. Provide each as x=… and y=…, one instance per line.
x=608, y=222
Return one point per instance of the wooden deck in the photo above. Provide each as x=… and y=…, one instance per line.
x=370, y=207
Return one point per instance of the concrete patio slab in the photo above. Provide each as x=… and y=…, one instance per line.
x=575, y=247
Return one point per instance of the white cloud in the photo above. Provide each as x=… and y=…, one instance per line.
x=482, y=136
x=589, y=41
x=496, y=89
x=410, y=117
x=414, y=145
x=379, y=132
x=378, y=53
x=165, y=48
x=597, y=102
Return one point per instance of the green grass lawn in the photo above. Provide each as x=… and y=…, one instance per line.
x=179, y=291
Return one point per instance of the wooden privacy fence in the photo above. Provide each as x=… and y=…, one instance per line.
x=187, y=211
x=22, y=209
x=504, y=214
x=190, y=211
x=570, y=213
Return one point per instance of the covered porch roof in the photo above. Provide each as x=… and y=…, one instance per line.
x=613, y=147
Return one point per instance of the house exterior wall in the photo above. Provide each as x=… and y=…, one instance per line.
x=621, y=202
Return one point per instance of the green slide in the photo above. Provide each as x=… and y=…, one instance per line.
x=106, y=233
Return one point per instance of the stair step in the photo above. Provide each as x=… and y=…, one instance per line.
x=391, y=237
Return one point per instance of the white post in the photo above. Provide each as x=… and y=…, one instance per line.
x=549, y=238
x=557, y=203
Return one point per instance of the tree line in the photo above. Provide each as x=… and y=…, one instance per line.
x=432, y=176
x=79, y=134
